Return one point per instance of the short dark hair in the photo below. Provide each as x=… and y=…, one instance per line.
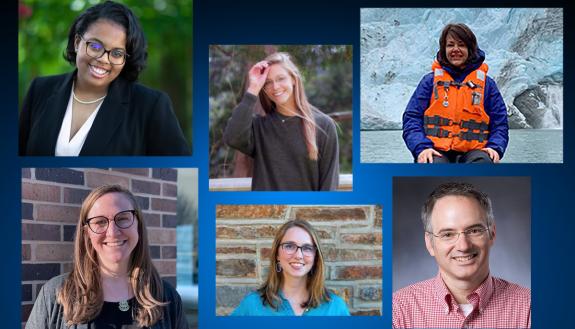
x=458, y=31
x=136, y=45
x=456, y=189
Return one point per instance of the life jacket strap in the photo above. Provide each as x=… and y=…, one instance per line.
x=474, y=125
x=436, y=120
x=471, y=136
x=436, y=132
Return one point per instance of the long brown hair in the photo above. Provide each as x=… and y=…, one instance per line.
x=81, y=294
x=306, y=110
x=269, y=291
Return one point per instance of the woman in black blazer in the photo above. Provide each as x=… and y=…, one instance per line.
x=99, y=109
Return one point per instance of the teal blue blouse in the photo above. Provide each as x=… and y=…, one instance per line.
x=252, y=305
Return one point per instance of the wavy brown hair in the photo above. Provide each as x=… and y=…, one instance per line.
x=305, y=109
x=81, y=294
x=457, y=31
x=269, y=291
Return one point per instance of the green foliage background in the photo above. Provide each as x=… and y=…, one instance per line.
x=327, y=71
x=43, y=34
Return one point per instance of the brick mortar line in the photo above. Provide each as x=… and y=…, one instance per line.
x=150, y=172
x=58, y=203
x=52, y=183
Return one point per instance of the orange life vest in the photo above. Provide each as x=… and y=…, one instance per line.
x=456, y=119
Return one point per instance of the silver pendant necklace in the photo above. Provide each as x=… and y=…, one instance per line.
x=123, y=305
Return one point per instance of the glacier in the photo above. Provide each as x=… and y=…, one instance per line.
x=523, y=47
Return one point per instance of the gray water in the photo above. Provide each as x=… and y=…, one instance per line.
x=525, y=146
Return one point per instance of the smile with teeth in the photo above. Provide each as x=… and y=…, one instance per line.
x=98, y=70
x=115, y=243
x=278, y=93
x=464, y=258
x=297, y=266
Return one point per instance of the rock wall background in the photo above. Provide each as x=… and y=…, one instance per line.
x=350, y=238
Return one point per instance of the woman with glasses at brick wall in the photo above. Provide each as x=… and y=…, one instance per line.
x=99, y=109
x=295, y=281
x=113, y=283
x=294, y=146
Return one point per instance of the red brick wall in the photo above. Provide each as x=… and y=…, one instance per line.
x=51, y=200
x=350, y=239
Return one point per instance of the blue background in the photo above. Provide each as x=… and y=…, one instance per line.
x=304, y=22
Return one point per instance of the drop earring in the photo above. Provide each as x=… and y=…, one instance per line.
x=278, y=267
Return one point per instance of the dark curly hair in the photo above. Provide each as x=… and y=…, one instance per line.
x=458, y=31
x=136, y=45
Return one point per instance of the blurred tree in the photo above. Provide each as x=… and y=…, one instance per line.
x=327, y=71
x=43, y=35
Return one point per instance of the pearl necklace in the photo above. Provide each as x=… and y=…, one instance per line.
x=86, y=102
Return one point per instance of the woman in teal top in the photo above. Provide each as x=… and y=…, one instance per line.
x=295, y=282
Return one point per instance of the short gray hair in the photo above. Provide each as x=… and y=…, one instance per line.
x=457, y=189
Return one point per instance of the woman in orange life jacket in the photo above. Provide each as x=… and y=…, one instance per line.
x=456, y=114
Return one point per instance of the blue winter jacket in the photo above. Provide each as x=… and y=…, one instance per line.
x=413, y=132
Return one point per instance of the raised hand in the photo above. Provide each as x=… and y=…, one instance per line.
x=257, y=76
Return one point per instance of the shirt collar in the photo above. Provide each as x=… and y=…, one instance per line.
x=479, y=297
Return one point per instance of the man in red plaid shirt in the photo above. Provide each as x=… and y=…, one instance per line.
x=459, y=232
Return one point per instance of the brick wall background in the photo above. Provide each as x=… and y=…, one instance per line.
x=51, y=200
x=350, y=237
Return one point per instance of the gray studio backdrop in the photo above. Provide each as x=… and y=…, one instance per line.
x=510, y=256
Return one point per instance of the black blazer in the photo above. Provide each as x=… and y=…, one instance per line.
x=133, y=120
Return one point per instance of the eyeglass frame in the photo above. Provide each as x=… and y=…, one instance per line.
x=465, y=233
x=132, y=211
x=126, y=55
x=314, y=248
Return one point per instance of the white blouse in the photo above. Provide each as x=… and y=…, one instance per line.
x=72, y=147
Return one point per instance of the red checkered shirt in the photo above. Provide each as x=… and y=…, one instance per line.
x=429, y=304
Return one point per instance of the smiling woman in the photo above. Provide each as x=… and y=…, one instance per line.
x=99, y=109
x=113, y=282
x=456, y=114
x=295, y=281
x=294, y=145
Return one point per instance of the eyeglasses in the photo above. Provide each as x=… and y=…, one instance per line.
x=268, y=85
x=123, y=219
x=291, y=248
x=452, y=237
x=95, y=49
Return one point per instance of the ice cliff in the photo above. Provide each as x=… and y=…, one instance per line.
x=523, y=47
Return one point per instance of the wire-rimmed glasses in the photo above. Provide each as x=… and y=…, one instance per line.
x=452, y=236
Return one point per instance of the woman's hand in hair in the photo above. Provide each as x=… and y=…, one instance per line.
x=257, y=77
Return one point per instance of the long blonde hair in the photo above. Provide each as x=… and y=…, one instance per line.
x=81, y=294
x=306, y=110
x=269, y=291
